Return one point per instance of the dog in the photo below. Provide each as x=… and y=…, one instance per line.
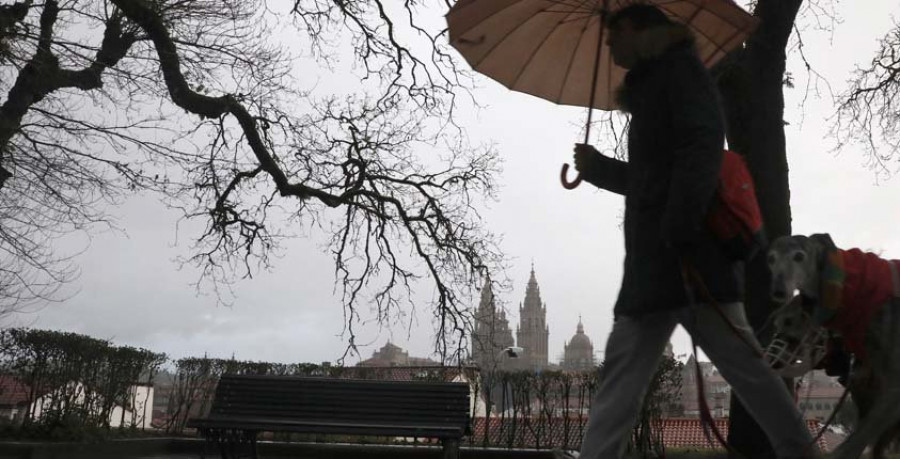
x=854, y=295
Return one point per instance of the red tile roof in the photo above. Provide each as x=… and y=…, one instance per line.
x=12, y=391
x=683, y=433
x=688, y=433
x=820, y=392
x=551, y=433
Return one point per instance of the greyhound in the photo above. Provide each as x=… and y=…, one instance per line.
x=801, y=264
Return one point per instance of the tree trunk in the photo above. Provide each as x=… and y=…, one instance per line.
x=751, y=84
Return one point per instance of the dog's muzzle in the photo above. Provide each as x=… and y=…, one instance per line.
x=792, y=357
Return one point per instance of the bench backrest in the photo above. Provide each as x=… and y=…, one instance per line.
x=343, y=400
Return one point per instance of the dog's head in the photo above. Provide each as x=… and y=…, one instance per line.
x=794, y=262
x=799, y=343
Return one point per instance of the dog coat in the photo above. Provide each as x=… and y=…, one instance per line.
x=855, y=284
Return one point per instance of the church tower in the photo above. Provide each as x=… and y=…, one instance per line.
x=578, y=353
x=533, y=334
x=492, y=333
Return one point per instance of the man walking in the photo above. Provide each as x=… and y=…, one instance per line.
x=675, y=147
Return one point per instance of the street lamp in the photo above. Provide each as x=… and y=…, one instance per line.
x=512, y=352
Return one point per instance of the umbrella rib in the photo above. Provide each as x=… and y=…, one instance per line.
x=501, y=10
x=718, y=46
x=700, y=32
x=696, y=12
x=476, y=24
x=579, y=17
x=562, y=87
x=721, y=47
x=538, y=49
x=609, y=88
x=726, y=19
x=499, y=42
x=575, y=4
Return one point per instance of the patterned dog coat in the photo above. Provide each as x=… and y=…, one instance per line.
x=854, y=285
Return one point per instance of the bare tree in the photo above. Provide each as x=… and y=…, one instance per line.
x=752, y=82
x=869, y=110
x=384, y=171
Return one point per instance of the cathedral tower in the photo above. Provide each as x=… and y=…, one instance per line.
x=492, y=333
x=533, y=334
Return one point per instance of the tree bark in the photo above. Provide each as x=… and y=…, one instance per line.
x=42, y=75
x=751, y=85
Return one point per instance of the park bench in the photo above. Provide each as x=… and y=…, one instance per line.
x=246, y=405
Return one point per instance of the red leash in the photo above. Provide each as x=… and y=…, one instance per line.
x=690, y=274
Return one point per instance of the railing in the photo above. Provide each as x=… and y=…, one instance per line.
x=526, y=409
x=510, y=409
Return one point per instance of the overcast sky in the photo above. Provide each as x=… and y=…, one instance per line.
x=131, y=291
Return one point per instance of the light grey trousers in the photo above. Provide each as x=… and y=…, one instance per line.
x=633, y=351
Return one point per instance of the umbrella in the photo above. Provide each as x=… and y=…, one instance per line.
x=555, y=50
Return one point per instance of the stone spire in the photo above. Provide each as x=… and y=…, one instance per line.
x=487, y=294
x=533, y=334
x=492, y=333
x=532, y=293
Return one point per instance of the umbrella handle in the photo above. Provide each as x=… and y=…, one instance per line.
x=564, y=178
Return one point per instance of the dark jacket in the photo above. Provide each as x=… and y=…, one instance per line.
x=675, y=148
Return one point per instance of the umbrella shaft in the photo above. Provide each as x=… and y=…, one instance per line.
x=602, y=25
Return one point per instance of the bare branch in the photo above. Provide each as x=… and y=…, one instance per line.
x=869, y=111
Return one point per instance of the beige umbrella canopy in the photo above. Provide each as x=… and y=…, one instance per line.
x=555, y=50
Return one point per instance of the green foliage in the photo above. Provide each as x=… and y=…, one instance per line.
x=531, y=405
x=662, y=397
x=73, y=382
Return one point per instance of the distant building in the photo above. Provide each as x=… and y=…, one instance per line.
x=818, y=395
x=164, y=387
x=13, y=399
x=492, y=334
x=14, y=402
x=391, y=355
x=578, y=353
x=533, y=334
x=716, y=390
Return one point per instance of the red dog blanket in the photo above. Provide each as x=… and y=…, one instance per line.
x=854, y=285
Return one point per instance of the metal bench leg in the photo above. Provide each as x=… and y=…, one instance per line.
x=254, y=453
x=205, y=434
x=224, y=444
x=451, y=448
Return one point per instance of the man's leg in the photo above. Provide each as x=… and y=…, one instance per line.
x=761, y=391
x=633, y=352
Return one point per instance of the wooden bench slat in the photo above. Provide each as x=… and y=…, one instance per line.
x=323, y=405
x=314, y=423
x=273, y=392
x=345, y=429
x=340, y=402
x=346, y=407
x=341, y=412
x=349, y=416
x=397, y=392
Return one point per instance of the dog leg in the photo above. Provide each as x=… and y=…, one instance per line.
x=882, y=418
x=884, y=353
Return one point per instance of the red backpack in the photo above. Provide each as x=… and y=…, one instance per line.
x=734, y=216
